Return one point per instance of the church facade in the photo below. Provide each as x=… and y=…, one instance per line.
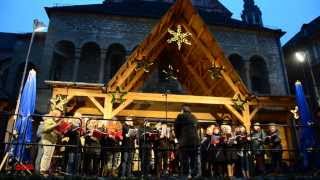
x=88, y=43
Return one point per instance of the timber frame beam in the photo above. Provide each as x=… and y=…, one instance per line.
x=108, y=110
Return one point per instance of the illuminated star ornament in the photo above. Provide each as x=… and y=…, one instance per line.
x=238, y=103
x=118, y=96
x=143, y=64
x=295, y=112
x=171, y=73
x=58, y=103
x=179, y=37
x=215, y=71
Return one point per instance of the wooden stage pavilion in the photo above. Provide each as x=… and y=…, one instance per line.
x=213, y=87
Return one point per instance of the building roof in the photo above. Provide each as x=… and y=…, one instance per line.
x=7, y=40
x=156, y=10
x=308, y=31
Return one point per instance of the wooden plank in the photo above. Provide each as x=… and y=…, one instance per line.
x=197, y=78
x=96, y=103
x=192, y=19
x=69, y=98
x=285, y=101
x=89, y=111
x=178, y=98
x=121, y=107
x=108, y=107
x=79, y=92
x=254, y=112
x=234, y=112
x=162, y=114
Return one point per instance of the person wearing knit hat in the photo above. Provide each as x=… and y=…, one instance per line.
x=258, y=138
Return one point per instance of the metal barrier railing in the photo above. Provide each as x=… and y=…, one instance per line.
x=112, y=156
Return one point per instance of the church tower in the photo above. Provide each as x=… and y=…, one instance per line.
x=251, y=13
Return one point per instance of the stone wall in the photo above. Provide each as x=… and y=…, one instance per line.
x=249, y=44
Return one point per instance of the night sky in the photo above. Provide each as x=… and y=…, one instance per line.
x=289, y=15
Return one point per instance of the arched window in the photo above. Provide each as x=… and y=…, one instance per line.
x=89, y=66
x=62, y=61
x=116, y=56
x=238, y=64
x=259, y=75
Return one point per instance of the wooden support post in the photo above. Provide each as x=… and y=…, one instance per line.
x=69, y=98
x=122, y=107
x=254, y=112
x=246, y=117
x=96, y=103
x=108, y=107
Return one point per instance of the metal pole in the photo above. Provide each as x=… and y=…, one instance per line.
x=166, y=94
x=23, y=76
x=314, y=83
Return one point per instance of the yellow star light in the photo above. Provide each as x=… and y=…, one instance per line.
x=238, y=103
x=295, y=112
x=179, y=37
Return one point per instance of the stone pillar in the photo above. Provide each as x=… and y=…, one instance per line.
x=103, y=55
x=44, y=73
x=108, y=70
x=247, y=74
x=76, y=64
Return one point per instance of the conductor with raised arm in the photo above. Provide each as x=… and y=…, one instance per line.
x=185, y=128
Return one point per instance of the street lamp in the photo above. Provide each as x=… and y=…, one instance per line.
x=304, y=57
x=37, y=27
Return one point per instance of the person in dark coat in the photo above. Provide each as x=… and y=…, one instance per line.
x=73, y=150
x=129, y=134
x=107, y=144
x=205, y=153
x=161, y=150
x=185, y=128
x=216, y=154
x=243, y=147
x=230, y=149
x=274, y=141
x=145, y=148
x=257, y=140
x=173, y=154
x=92, y=153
